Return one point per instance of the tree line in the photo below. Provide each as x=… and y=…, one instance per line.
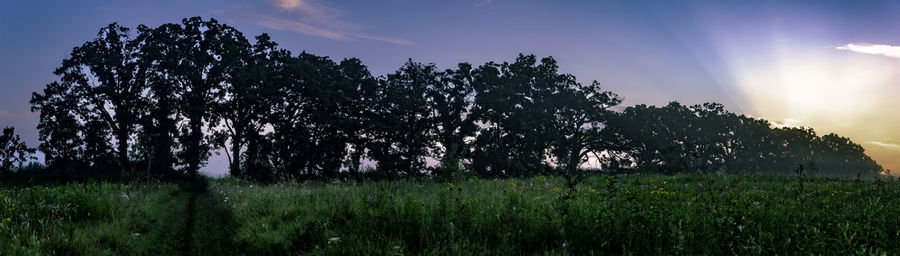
x=157, y=102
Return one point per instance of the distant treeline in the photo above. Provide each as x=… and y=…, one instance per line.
x=156, y=102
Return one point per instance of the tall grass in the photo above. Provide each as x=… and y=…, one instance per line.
x=641, y=214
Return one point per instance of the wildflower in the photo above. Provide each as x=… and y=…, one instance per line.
x=334, y=240
x=8, y=219
x=450, y=184
x=651, y=206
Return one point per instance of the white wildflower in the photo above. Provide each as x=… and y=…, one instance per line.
x=334, y=240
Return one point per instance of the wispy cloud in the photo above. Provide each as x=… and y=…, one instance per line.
x=315, y=18
x=4, y=113
x=889, y=145
x=874, y=49
x=483, y=3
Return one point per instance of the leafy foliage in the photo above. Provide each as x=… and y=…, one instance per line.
x=172, y=95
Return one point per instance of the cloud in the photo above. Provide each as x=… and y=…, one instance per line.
x=786, y=123
x=312, y=17
x=483, y=3
x=4, y=113
x=889, y=145
x=299, y=27
x=874, y=49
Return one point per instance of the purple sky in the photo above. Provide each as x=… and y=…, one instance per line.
x=828, y=65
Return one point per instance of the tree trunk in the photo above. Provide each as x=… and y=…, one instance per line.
x=574, y=160
x=236, y=146
x=355, y=159
x=194, y=146
x=122, y=136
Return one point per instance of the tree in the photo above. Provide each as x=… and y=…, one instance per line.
x=841, y=157
x=358, y=109
x=240, y=106
x=404, y=123
x=306, y=118
x=58, y=127
x=195, y=58
x=579, y=114
x=106, y=83
x=13, y=151
x=267, y=74
x=451, y=100
x=159, y=124
x=511, y=108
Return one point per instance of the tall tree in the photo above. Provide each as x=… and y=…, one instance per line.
x=239, y=108
x=107, y=83
x=159, y=125
x=306, y=118
x=266, y=76
x=196, y=59
x=451, y=100
x=405, y=126
x=511, y=107
x=579, y=115
x=358, y=110
x=58, y=127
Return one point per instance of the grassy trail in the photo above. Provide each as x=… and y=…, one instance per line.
x=188, y=233
x=207, y=224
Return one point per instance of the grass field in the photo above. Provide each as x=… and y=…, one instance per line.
x=640, y=214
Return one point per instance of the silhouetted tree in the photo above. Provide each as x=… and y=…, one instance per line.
x=452, y=100
x=13, y=151
x=579, y=114
x=307, y=139
x=358, y=110
x=58, y=128
x=404, y=126
x=105, y=83
x=267, y=77
x=512, y=106
x=196, y=58
x=239, y=108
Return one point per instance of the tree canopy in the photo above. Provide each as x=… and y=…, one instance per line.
x=172, y=95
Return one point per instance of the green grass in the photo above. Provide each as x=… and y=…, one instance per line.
x=640, y=214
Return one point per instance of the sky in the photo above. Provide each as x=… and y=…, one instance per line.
x=830, y=65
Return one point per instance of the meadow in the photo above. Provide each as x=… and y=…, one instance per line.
x=628, y=214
